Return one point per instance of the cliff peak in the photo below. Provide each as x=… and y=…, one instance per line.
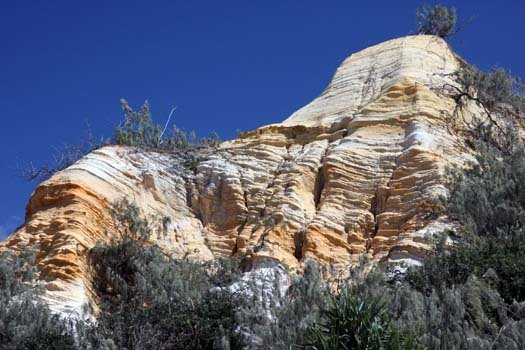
x=362, y=77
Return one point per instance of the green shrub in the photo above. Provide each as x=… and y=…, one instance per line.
x=440, y=20
x=359, y=321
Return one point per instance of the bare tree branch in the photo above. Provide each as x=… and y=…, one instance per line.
x=159, y=141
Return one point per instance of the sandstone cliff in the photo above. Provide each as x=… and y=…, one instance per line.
x=354, y=172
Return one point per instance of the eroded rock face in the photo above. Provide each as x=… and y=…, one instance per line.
x=354, y=172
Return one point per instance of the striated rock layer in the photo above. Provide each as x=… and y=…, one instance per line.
x=354, y=172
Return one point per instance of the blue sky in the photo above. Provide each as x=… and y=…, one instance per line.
x=227, y=65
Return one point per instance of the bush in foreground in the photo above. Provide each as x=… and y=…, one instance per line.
x=359, y=321
x=25, y=320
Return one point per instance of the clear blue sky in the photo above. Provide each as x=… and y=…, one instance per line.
x=227, y=65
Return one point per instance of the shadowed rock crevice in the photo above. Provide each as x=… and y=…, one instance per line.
x=240, y=241
x=319, y=187
x=320, y=178
x=189, y=193
x=299, y=240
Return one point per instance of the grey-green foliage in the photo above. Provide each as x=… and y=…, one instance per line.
x=25, y=321
x=488, y=199
x=467, y=315
x=306, y=297
x=312, y=316
x=139, y=130
x=131, y=224
x=439, y=20
x=474, y=290
x=496, y=88
x=283, y=322
x=149, y=300
x=502, y=99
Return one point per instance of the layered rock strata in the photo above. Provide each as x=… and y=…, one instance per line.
x=354, y=172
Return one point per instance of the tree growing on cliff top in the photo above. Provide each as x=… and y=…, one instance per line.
x=138, y=130
x=440, y=20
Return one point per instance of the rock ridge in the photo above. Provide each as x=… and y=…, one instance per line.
x=353, y=172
